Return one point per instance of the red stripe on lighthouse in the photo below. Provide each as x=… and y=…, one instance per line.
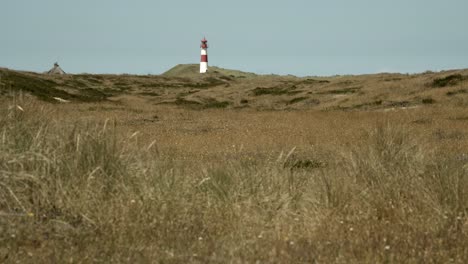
x=204, y=58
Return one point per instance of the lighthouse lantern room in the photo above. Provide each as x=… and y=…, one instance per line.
x=204, y=56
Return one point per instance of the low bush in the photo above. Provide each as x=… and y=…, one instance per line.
x=450, y=80
x=428, y=101
x=460, y=91
x=213, y=103
x=297, y=100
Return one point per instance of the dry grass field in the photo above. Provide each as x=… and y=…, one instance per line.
x=231, y=167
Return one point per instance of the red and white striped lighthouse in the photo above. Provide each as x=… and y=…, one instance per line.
x=204, y=56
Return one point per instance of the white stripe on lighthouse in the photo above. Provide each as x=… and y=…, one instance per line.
x=203, y=67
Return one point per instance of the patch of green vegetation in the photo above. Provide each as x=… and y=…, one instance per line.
x=370, y=104
x=312, y=102
x=226, y=78
x=184, y=102
x=105, y=108
x=272, y=91
x=422, y=121
x=449, y=135
x=95, y=80
x=392, y=79
x=277, y=90
x=90, y=78
x=149, y=93
x=428, y=100
x=75, y=84
x=206, y=104
x=114, y=108
x=154, y=85
x=349, y=90
x=93, y=94
x=213, y=103
x=81, y=80
x=459, y=118
x=121, y=83
x=297, y=99
x=461, y=91
x=211, y=82
x=450, y=80
x=148, y=76
x=46, y=90
x=399, y=104
x=313, y=81
x=189, y=92
x=186, y=83
x=122, y=87
x=346, y=82
x=304, y=164
x=207, y=83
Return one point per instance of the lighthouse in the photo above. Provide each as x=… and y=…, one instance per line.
x=204, y=56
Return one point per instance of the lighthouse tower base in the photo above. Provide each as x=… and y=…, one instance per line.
x=203, y=67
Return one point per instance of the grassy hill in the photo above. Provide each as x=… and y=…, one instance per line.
x=193, y=70
x=185, y=87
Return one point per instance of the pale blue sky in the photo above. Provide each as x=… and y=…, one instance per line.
x=265, y=36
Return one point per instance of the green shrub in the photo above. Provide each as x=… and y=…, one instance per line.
x=460, y=91
x=297, y=99
x=183, y=101
x=46, y=90
x=350, y=90
x=277, y=90
x=450, y=80
x=213, y=103
x=428, y=101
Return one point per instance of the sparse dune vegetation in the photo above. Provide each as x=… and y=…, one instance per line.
x=233, y=167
